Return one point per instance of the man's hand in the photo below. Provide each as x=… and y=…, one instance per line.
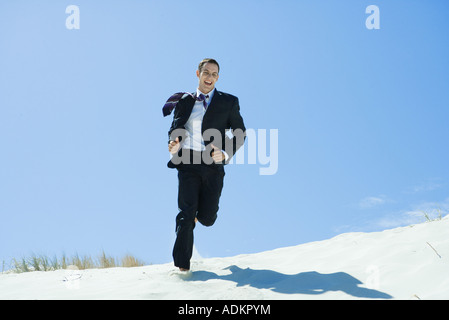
x=173, y=146
x=217, y=155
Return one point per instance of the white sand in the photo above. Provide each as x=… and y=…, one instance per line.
x=403, y=263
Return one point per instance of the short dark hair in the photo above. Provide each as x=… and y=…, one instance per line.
x=207, y=60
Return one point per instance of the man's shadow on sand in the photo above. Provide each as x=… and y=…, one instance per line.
x=304, y=283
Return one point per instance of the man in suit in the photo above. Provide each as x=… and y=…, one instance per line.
x=200, y=148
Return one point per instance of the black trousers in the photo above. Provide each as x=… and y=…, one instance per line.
x=199, y=192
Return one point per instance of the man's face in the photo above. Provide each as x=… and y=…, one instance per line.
x=207, y=77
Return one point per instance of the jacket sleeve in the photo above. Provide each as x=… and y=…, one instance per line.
x=177, y=128
x=238, y=130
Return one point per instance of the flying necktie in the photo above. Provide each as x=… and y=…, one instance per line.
x=203, y=98
x=174, y=99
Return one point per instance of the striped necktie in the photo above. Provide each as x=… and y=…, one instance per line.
x=203, y=98
x=174, y=99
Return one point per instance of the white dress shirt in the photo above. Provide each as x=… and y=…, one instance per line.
x=194, y=139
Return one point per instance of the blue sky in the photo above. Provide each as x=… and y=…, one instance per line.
x=361, y=115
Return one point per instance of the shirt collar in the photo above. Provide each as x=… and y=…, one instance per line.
x=210, y=94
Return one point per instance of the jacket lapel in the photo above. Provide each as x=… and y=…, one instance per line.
x=213, y=102
x=189, y=106
x=191, y=102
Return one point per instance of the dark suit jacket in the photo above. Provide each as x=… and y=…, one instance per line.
x=223, y=113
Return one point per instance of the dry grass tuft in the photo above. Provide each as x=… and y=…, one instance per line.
x=44, y=263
